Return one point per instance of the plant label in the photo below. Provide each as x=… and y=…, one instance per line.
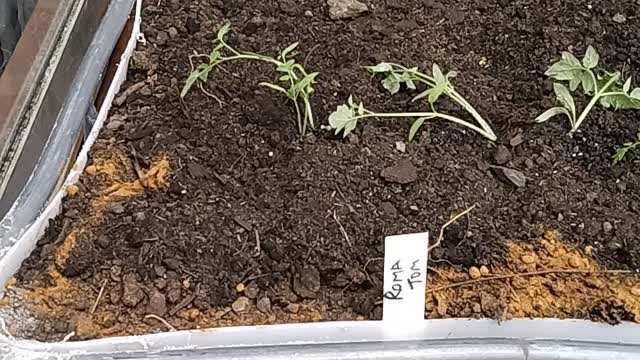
x=405, y=275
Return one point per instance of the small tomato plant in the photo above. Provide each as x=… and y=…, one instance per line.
x=604, y=88
x=294, y=81
x=625, y=148
x=346, y=117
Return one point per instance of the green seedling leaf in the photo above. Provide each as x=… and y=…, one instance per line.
x=451, y=75
x=284, y=78
x=380, y=68
x=591, y=58
x=343, y=119
x=289, y=49
x=618, y=102
x=627, y=86
x=570, y=59
x=635, y=93
x=421, y=95
x=624, y=149
x=223, y=31
x=275, y=87
x=436, y=91
x=200, y=73
x=391, y=83
x=416, y=126
x=553, y=112
x=565, y=98
x=437, y=74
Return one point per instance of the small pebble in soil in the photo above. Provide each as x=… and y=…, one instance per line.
x=619, y=18
x=528, y=259
x=588, y=249
x=474, y=272
x=403, y=172
x=306, y=283
x=91, y=169
x=574, y=262
x=511, y=176
x=607, y=227
x=292, y=308
x=401, y=146
x=388, y=210
x=241, y=304
x=157, y=303
x=345, y=9
x=132, y=292
x=501, y=155
x=635, y=291
x=240, y=287
x=516, y=140
x=114, y=124
x=484, y=271
x=308, y=13
x=72, y=190
x=264, y=305
x=252, y=291
x=192, y=314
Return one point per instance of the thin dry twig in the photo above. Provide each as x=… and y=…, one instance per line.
x=342, y=230
x=526, y=274
x=95, y=305
x=69, y=336
x=152, y=316
x=257, y=241
x=453, y=219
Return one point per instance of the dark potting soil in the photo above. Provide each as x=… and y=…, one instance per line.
x=253, y=224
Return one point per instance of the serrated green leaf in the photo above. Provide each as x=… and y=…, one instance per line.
x=343, y=119
x=565, y=98
x=591, y=58
x=380, y=68
x=619, y=102
x=437, y=74
x=410, y=84
x=553, y=112
x=391, y=84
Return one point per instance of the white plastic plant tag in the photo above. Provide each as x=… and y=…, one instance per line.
x=405, y=275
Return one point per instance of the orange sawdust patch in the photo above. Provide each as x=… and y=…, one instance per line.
x=579, y=288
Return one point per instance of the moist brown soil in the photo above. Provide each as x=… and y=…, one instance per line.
x=209, y=215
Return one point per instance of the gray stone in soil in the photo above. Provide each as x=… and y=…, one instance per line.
x=306, y=283
x=132, y=292
x=264, y=305
x=510, y=176
x=619, y=18
x=501, y=155
x=241, y=304
x=346, y=9
x=157, y=303
x=388, y=210
x=607, y=227
x=292, y=308
x=402, y=173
